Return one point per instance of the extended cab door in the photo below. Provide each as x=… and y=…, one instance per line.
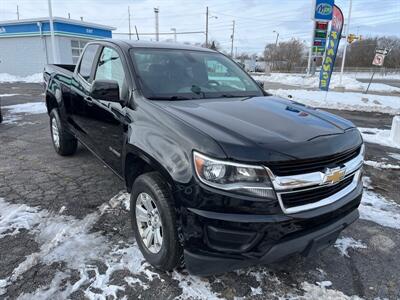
x=108, y=125
x=81, y=109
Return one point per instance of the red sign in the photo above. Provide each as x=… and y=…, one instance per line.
x=378, y=60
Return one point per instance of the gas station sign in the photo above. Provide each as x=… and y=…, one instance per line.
x=320, y=34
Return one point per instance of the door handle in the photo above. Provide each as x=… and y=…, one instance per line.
x=89, y=100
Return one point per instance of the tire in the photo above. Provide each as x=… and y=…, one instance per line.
x=168, y=255
x=64, y=143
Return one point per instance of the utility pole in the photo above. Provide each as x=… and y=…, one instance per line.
x=174, y=31
x=17, y=12
x=53, y=39
x=207, y=27
x=129, y=22
x=156, y=11
x=275, y=48
x=232, y=37
x=345, y=45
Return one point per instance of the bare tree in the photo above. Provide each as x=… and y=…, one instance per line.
x=361, y=53
x=286, y=55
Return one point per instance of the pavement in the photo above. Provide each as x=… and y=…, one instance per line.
x=65, y=230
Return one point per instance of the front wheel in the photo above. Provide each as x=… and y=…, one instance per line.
x=153, y=221
x=64, y=143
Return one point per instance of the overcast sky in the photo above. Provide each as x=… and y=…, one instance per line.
x=255, y=19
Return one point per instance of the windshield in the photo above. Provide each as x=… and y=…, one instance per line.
x=172, y=74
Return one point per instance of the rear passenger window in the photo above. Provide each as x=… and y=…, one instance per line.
x=87, y=61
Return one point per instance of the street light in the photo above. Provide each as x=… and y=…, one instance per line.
x=276, y=46
x=277, y=37
x=174, y=31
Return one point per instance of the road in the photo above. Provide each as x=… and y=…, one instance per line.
x=65, y=230
x=391, y=82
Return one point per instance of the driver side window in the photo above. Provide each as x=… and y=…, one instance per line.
x=110, y=67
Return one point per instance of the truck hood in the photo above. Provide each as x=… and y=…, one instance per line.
x=267, y=128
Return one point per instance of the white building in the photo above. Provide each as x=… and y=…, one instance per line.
x=25, y=45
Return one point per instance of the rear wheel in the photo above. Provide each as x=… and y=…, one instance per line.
x=64, y=143
x=153, y=221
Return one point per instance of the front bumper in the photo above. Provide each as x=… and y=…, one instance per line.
x=217, y=242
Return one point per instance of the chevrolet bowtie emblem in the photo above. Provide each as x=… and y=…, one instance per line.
x=334, y=175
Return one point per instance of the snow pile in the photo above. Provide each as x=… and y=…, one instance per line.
x=379, y=210
x=378, y=136
x=344, y=243
x=343, y=101
x=35, y=78
x=301, y=80
x=381, y=165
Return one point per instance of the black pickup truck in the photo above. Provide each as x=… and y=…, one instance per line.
x=222, y=175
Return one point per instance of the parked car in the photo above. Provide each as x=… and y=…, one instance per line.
x=222, y=175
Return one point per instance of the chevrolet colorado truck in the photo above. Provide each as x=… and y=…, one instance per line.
x=222, y=175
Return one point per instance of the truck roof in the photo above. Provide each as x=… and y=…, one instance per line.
x=155, y=45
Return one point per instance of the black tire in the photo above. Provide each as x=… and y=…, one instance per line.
x=67, y=142
x=170, y=254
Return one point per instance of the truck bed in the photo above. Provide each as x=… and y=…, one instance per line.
x=64, y=69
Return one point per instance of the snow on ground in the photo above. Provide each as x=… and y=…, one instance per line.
x=344, y=243
x=395, y=155
x=8, y=95
x=343, y=101
x=35, y=78
x=317, y=292
x=301, y=80
x=14, y=113
x=378, y=136
x=67, y=239
x=379, y=210
x=381, y=165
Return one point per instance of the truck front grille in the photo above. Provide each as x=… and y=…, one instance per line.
x=303, y=166
x=313, y=195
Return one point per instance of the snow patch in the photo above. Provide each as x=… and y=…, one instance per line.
x=381, y=165
x=16, y=111
x=344, y=243
x=27, y=108
x=379, y=210
x=14, y=217
x=194, y=287
x=378, y=136
x=35, y=78
x=343, y=101
x=395, y=155
x=8, y=95
x=317, y=292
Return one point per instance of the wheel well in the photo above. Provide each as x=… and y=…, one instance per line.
x=134, y=167
x=51, y=103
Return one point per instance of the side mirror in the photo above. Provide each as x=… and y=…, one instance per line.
x=107, y=90
x=260, y=83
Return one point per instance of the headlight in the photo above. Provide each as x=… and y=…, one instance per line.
x=239, y=178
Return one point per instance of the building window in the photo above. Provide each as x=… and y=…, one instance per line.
x=76, y=48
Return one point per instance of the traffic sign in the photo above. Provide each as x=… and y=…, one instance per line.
x=378, y=60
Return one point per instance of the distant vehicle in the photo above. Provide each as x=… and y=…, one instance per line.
x=222, y=175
